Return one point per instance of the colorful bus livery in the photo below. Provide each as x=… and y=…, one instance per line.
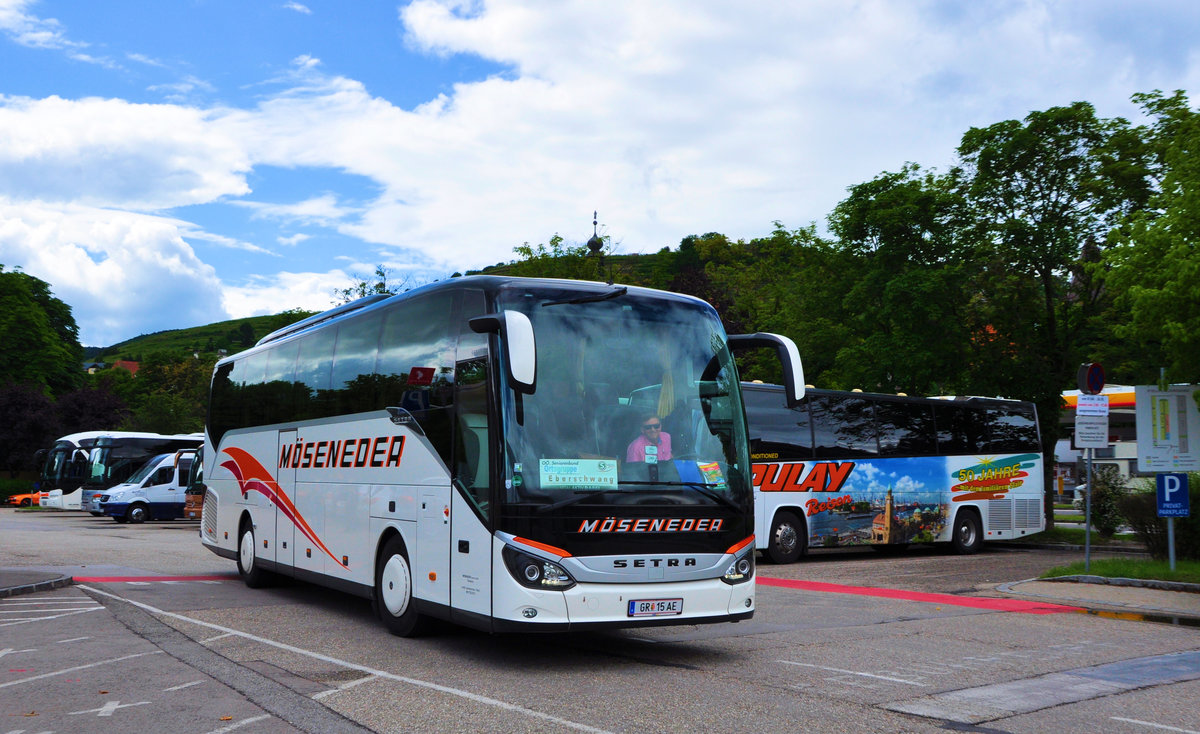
x=460, y=452
x=844, y=469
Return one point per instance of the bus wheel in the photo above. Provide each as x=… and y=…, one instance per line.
x=968, y=536
x=393, y=592
x=252, y=574
x=789, y=539
x=137, y=514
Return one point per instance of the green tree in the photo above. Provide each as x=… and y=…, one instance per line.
x=379, y=282
x=1039, y=189
x=29, y=423
x=39, y=342
x=907, y=305
x=557, y=259
x=1154, y=264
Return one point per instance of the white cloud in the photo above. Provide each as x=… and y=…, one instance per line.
x=109, y=152
x=119, y=271
x=299, y=8
x=670, y=118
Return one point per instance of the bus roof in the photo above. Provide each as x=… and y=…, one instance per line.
x=486, y=283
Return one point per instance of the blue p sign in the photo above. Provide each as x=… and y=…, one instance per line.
x=1172, y=495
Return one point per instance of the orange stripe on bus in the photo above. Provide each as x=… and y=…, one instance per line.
x=542, y=546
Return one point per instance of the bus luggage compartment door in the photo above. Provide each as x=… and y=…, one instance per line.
x=431, y=566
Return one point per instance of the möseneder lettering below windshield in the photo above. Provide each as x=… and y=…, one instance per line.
x=610, y=370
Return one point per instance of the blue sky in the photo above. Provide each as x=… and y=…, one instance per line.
x=170, y=164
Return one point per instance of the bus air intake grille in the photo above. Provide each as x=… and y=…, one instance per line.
x=1000, y=515
x=1029, y=513
x=208, y=514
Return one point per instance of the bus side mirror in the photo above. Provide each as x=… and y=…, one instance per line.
x=520, y=348
x=789, y=355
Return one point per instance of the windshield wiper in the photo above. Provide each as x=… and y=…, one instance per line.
x=614, y=293
x=699, y=488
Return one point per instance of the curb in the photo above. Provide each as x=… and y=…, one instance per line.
x=1144, y=583
x=47, y=585
x=1137, y=550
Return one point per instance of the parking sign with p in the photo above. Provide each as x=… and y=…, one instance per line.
x=1172, y=494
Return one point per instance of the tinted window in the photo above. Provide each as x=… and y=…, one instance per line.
x=416, y=364
x=314, y=366
x=843, y=427
x=1010, y=429
x=958, y=428
x=776, y=429
x=354, y=384
x=472, y=466
x=905, y=429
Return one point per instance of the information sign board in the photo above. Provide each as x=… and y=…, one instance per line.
x=1091, y=405
x=1091, y=431
x=1168, y=428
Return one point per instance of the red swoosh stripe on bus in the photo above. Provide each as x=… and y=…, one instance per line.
x=251, y=475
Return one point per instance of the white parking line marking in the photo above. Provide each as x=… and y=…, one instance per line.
x=218, y=637
x=9, y=650
x=239, y=724
x=13, y=622
x=35, y=611
x=40, y=602
x=477, y=698
x=108, y=708
x=185, y=685
x=1153, y=725
x=854, y=672
x=79, y=667
x=73, y=639
x=343, y=687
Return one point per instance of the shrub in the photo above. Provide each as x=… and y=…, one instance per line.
x=1108, y=489
x=1141, y=510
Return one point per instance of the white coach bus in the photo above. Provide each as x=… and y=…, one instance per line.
x=466, y=451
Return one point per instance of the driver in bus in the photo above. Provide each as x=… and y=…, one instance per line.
x=652, y=435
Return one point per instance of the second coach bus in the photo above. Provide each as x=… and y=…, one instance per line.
x=490, y=451
x=851, y=468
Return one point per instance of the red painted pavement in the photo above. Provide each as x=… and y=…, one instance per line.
x=975, y=602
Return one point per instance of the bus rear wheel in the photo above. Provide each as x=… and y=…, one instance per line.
x=252, y=574
x=968, y=535
x=394, y=601
x=788, y=540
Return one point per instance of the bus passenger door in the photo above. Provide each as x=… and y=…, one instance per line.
x=285, y=529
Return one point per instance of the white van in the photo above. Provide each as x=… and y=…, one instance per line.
x=154, y=492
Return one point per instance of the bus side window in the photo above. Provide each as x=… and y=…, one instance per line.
x=472, y=466
x=1010, y=430
x=354, y=356
x=844, y=427
x=776, y=429
x=314, y=365
x=957, y=429
x=905, y=429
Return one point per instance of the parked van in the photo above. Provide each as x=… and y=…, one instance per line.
x=154, y=492
x=194, y=505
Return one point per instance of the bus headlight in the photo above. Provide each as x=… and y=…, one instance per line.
x=740, y=571
x=536, y=573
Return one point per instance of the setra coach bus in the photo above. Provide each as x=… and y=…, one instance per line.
x=462, y=451
x=850, y=468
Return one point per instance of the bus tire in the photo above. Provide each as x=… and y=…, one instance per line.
x=968, y=533
x=252, y=574
x=394, y=591
x=137, y=513
x=788, y=539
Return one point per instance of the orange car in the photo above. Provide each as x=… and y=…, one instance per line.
x=25, y=500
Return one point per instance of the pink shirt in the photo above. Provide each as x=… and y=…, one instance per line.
x=637, y=449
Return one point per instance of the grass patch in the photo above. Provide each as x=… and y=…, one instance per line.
x=1068, y=518
x=1075, y=536
x=1068, y=506
x=1132, y=568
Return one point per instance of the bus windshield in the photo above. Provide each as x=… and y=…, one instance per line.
x=636, y=401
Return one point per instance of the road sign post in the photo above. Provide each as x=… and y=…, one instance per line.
x=1091, y=433
x=1172, y=498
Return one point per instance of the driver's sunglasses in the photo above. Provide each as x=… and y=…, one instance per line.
x=652, y=427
